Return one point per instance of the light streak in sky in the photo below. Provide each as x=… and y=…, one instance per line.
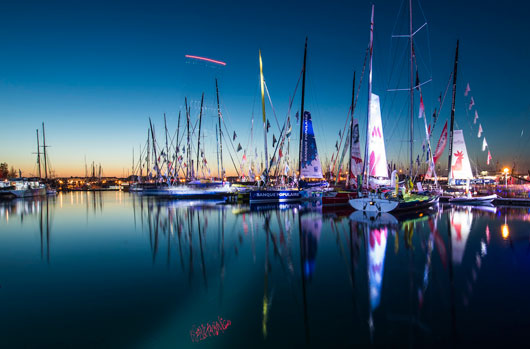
x=205, y=59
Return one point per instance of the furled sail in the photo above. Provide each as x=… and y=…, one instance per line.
x=376, y=143
x=356, y=162
x=311, y=167
x=460, y=166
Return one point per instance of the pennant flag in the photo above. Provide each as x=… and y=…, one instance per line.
x=440, y=98
x=274, y=140
x=234, y=136
x=472, y=103
x=288, y=134
x=268, y=125
x=418, y=160
x=297, y=116
x=337, y=145
x=468, y=89
x=489, y=157
x=479, y=130
x=204, y=160
x=340, y=133
x=484, y=144
x=434, y=116
x=281, y=153
x=422, y=108
x=476, y=117
x=244, y=156
x=239, y=147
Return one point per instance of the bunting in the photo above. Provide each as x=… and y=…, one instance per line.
x=484, y=144
x=422, y=108
x=472, y=103
x=489, y=158
x=468, y=89
x=268, y=125
x=274, y=140
x=476, y=114
x=234, y=136
x=239, y=147
x=479, y=130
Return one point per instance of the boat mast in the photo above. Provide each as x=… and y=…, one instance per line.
x=348, y=179
x=366, y=170
x=262, y=84
x=220, y=132
x=154, y=150
x=148, y=154
x=302, y=117
x=188, y=142
x=132, y=168
x=38, y=152
x=167, y=150
x=177, y=150
x=452, y=118
x=199, y=138
x=411, y=89
x=44, y=146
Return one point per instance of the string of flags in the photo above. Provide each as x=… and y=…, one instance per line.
x=471, y=104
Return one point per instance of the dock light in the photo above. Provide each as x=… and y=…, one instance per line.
x=505, y=176
x=505, y=231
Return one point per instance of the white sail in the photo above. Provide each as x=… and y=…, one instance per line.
x=460, y=166
x=460, y=228
x=356, y=158
x=376, y=143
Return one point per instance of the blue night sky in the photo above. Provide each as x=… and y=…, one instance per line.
x=94, y=72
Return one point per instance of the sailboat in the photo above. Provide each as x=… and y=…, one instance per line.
x=379, y=197
x=459, y=166
x=277, y=194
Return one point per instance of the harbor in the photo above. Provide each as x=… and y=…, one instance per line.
x=241, y=175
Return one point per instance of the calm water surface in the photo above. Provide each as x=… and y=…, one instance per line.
x=119, y=270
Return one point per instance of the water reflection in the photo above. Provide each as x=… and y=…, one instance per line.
x=277, y=272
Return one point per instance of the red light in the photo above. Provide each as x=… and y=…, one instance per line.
x=205, y=59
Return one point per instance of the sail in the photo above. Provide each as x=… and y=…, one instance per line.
x=311, y=167
x=376, y=143
x=439, y=149
x=356, y=162
x=376, y=263
x=460, y=228
x=460, y=166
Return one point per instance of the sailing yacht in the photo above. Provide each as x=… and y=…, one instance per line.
x=379, y=197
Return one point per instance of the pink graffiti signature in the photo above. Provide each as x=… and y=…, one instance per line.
x=198, y=333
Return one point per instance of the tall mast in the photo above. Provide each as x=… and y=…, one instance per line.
x=132, y=168
x=366, y=170
x=199, y=137
x=44, y=146
x=154, y=149
x=302, y=118
x=220, y=131
x=348, y=179
x=167, y=150
x=217, y=142
x=452, y=118
x=177, y=149
x=411, y=89
x=262, y=84
x=148, y=154
x=38, y=153
x=188, y=143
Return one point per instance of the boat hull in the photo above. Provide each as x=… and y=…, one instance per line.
x=338, y=198
x=477, y=200
x=272, y=196
x=371, y=204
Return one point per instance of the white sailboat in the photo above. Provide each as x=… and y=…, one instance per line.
x=375, y=164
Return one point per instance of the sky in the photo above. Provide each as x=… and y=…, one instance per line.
x=95, y=72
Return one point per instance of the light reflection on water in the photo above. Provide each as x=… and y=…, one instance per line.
x=118, y=270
